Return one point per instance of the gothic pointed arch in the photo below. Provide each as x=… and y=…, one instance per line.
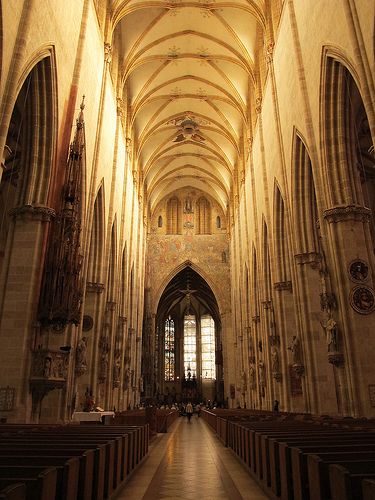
x=174, y=215
x=305, y=210
x=188, y=337
x=124, y=281
x=266, y=264
x=247, y=289
x=112, y=265
x=281, y=238
x=95, y=258
x=255, y=284
x=349, y=146
x=200, y=271
x=29, y=153
x=203, y=216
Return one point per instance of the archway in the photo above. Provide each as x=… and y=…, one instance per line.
x=188, y=361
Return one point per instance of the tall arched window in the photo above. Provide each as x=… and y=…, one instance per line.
x=203, y=216
x=190, y=345
x=174, y=216
x=169, y=360
x=208, y=347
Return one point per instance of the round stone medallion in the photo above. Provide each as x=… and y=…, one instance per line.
x=358, y=271
x=362, y=299
x=87, y=323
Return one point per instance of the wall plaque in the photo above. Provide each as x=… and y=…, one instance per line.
x=371, y=392
x=295, y=382
x=7, y=398
x=362, y=299
x=358, y=271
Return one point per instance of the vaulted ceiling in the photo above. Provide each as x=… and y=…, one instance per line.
x=187, y=73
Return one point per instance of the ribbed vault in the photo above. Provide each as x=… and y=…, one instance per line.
x=186, y=289
x=187, y=76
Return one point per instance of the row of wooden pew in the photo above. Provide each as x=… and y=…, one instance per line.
x=299, y=457
x=68, y=462
x=158, y=420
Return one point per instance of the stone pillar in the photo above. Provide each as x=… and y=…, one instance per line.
x=352, y=259
x=20, y=301
x=317, y=371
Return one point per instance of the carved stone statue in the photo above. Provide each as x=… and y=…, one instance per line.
x=103, y=366
x=275, y=360
x=81, y=361
x=252, y=376
x=295, y=348
x=329, y=325
x=127, y=378
x=188, y=205
x=243, y=383
x=116, y=373
x=262, y=375
x=331, y=335
x=140, y=384
x=47, y=368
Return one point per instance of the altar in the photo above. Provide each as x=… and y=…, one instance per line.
x=103, y=417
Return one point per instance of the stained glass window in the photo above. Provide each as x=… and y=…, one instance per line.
x=190, y=345
x=208, y=347
x=169, y=359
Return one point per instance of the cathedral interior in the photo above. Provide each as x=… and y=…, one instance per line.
x=187, y=206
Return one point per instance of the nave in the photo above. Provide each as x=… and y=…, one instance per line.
x=190, y=463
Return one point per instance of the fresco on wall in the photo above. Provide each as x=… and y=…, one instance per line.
x=209, y=253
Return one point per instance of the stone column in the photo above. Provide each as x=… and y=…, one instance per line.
x=20, y=301
x=352, y=259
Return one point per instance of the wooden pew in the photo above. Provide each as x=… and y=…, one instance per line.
x=124, y=448
x=15, y=491
x=104, y=471
x=67, y=472
x=346, y=479
x=40, y=483
x=318, y=472
x=368, y=489
x=299, y=457
x=86, y=461
x=265, y=442
x=97, y=478
x=285, y=462
x=104, y=460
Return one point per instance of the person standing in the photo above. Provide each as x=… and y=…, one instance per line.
x=189, y=410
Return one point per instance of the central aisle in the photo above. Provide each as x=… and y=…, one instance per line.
x=190, y=463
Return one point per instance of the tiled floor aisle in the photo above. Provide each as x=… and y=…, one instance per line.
x=190, y=463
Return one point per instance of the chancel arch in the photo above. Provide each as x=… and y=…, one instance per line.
x=349, y=170
x=188, y=341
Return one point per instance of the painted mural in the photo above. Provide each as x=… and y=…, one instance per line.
x=209, y=255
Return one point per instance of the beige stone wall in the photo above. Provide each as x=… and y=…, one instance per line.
x=292, y=100
x=33, y=30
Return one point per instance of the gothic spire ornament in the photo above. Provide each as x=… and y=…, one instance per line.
x=61, y=292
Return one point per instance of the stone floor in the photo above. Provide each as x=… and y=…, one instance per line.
x=190, y=463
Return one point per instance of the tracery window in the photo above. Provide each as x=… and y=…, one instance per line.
x=190, y=345
x=203, y=216
x=169, y=359
x=174, y=216
x=208, y=347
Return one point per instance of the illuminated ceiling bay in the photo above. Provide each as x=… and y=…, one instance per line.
x=187, y=76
